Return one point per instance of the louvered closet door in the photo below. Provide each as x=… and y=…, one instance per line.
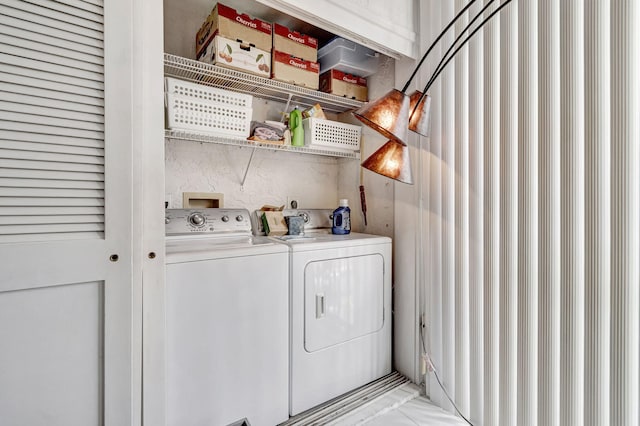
x=65, y=212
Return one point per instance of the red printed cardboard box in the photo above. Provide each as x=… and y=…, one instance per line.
x=240, y=56
x=343, y=84
x=294, y=70
x=227, y=22
x=292, y=42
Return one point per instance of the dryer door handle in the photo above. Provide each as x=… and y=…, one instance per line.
x=320, y=305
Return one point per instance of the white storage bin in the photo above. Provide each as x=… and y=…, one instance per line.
x=207, y=109
x=319, y=133
x=349, y=57
x=204, y=93
x=184, y=113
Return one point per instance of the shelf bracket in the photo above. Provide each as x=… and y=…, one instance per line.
x=253, y=151
x=286, y=108
x=244, y=178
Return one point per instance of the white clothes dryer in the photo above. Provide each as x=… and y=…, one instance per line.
x=227, y=321
x=340, y=308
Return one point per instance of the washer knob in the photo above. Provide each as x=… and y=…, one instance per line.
x=196, y=219
x=166, y=220
x=239, y=218
x=225, y=218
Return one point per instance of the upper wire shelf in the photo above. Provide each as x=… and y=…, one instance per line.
x=260, y=87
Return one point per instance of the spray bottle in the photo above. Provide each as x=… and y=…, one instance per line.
x=295, y=125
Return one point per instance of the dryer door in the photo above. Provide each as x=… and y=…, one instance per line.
x=344, y=300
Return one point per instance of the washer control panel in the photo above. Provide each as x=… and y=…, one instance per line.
x=206, y=221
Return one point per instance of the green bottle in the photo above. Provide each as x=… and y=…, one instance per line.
x=295, y=125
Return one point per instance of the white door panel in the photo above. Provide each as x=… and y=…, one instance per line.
x=344, y=300
x=52, y=352
x=66, y=287
x=42, y=264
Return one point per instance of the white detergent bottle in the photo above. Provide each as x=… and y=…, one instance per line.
x=342, y=218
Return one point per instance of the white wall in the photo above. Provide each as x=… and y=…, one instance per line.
x=384, y=26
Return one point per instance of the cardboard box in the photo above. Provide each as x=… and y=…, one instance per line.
x=243, y=57
x=296, y=44
x=294, y=70
x=227, y=22
x=342, y=84
x=274, y=223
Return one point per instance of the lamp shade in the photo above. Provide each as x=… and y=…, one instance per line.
x=419, y=119
x=391, y=160
x=395, y=113
x=388, y=115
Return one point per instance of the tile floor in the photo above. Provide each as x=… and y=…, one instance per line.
x=416, y=412
x=402, y=407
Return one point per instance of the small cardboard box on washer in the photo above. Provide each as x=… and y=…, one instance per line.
x=291, y=69
x=240, y=56
x=274, y=223
x=343, y=84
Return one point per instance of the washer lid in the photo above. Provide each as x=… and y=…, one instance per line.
x=322, y=241
x=191, y=249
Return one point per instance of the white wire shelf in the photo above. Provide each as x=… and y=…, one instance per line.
x=206, y=138
x=225, y=78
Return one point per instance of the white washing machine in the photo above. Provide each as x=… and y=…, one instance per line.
x=340, y=289
x=227, y=321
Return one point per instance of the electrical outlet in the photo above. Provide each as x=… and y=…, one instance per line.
x=293, y=202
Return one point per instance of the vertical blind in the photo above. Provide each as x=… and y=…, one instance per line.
x=532, y=268
x=51, y=120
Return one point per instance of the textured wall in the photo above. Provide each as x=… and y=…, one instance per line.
x=202, y=167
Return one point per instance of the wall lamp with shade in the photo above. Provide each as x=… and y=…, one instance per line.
x=395, y=113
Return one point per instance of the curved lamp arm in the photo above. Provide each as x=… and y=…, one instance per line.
x=415, y=71
x=392, y=114
x=445, y=61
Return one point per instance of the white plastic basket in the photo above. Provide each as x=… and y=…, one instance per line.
x=319, y=133
x=207, y=94
x=207, y=109
x=184, y=113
